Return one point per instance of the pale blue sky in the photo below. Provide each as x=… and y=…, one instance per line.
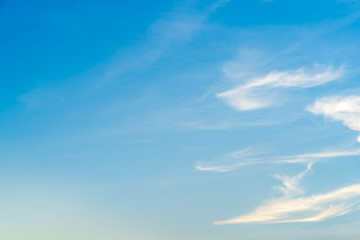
x=181, y=120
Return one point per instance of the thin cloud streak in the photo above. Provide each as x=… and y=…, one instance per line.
x=254, y=94
x=226, y=125
x=314, y=208
x=337, y=108
x=253, y=158
x=291, y=185
x=173, y=29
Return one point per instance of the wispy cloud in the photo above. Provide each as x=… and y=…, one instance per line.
x=173, y=29
x=337, y=108
x=294, y=207
x=238, y=159
x=226, y=125
x=164, y=35
x=257, y=92
x=291, y=185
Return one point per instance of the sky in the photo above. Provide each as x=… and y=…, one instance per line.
x=180, y=120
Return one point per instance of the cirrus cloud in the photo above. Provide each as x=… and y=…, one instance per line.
x=293, y=206
x=256, y=94
x=303, y=209
x=337, y=108
x=246, y=157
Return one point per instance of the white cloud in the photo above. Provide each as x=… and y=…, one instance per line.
x=293, y=207
x=233, y=161
x=256, y=93
x=318, y=156
x=291, y=184
x=344, y=109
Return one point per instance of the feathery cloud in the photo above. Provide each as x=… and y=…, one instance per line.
x=344, y=109
x=254, y=94
x=291, y=185
x=238, y=159
x=294, y=207
x=164, y=35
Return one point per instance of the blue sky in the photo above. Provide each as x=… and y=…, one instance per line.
x=179, y=119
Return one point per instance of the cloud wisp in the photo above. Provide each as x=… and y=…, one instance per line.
x=337, y=108
x=238, y=159
x=293, y=206
x=256, y=94
x=291, y=185
x=175, y=28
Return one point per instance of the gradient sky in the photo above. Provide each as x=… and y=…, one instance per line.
x=179, y=120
